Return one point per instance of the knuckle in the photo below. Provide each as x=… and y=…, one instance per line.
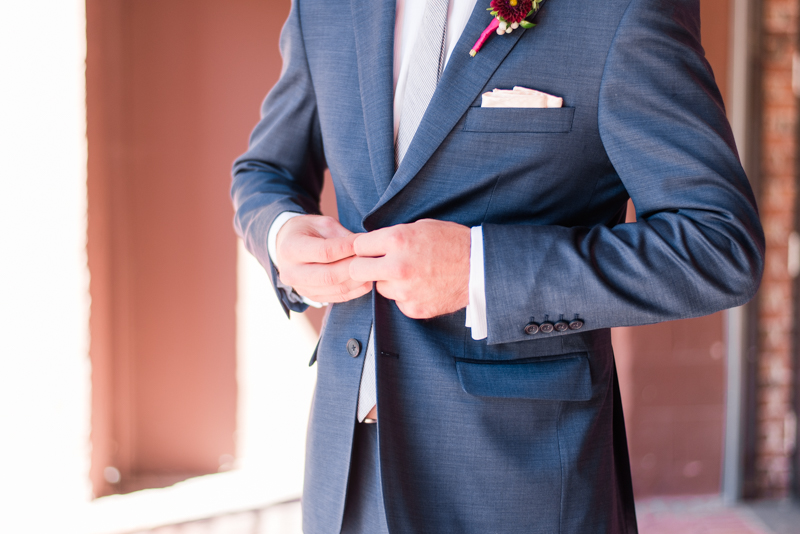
x=397, y=238
x=344, y=249
x=357, y=245
x=328, y=278
x=411, y=310
x=382, y=288
x=422, y=312
x=402, y=270
x=402, y=294
x=325, y=252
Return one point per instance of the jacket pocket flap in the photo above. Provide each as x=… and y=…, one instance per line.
x=519, y=120
x=563, y=378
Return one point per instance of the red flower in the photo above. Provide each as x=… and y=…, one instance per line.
x=512, y=11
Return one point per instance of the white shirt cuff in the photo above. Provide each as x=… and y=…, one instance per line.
x=272, y=249
x=476, y=309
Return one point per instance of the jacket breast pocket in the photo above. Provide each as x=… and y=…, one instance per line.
x=519, y=120
x=566, y=377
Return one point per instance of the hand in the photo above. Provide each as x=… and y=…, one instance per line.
x=313, y=255
x=423, y=266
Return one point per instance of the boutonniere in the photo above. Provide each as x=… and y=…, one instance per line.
x=508, y=16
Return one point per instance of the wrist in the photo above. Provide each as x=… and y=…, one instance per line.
x=274, y=232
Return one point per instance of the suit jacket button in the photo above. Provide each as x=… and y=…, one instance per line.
x=546, y=328
x=531, y=328
x=353, y=347
x=561, y=326
x=575, y=324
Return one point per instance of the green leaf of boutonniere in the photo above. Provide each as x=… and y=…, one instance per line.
x=526, y=24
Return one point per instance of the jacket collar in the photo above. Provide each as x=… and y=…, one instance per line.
x=374, y=33
x=462, y=81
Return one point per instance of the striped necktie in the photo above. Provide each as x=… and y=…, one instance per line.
x=425, y=67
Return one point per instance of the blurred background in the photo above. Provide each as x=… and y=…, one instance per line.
x=149, y=381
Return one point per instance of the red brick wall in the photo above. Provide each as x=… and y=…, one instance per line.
x=778, y=191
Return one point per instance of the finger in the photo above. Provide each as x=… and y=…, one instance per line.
x=309, y=249
x=318, y=274
x=378, y=242
x=340, y=294
x=403, y=298
x=414, y=311
x=329, y=227
x=374, y=269
x=391, y=290
x=352, y=295
x=337, y=289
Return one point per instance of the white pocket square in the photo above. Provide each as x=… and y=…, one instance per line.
x=520, y=97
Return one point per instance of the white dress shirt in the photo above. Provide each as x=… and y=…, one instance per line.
x=407, y=23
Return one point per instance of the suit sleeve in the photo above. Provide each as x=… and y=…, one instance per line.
x=697, y=246
x=283, y=167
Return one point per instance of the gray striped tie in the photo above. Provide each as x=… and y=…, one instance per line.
x=427, y=59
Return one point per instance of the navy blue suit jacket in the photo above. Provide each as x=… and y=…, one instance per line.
x=517, y=432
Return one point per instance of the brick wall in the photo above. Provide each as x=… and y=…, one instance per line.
x=775, y=308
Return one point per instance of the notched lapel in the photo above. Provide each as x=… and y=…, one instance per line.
x=462, y=81
x=374, y=31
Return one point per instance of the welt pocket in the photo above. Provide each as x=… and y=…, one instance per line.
x=519, y=120
x=566, y=377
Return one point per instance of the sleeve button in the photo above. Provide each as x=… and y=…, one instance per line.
x=531, y=328
x=575, y=324
x=546, y=327
x=353, y=347
x=561, y=326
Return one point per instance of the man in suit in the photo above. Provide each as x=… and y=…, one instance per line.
x=507, y=221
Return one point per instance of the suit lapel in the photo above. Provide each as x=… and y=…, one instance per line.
x=374, y=31
x=462, y=81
